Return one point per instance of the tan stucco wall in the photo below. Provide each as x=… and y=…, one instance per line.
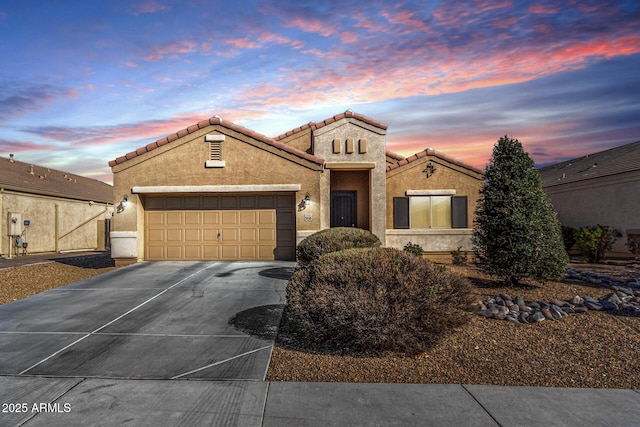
x=182, y=163
x=612, y=201
x=300, y=140
x=77, y=222
x=447, y=176
x=376, y=149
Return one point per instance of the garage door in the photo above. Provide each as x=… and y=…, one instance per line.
x=243, y=227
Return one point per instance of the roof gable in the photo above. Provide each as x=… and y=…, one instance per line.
x=432, y=153
x=317, y=125
x=226, y=124
x=28, y=178
x=625, y=158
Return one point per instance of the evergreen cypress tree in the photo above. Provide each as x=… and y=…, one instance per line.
x=516, y=231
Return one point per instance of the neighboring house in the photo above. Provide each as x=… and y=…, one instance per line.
x=217, y=190
x=600, y=188
x=52, y=211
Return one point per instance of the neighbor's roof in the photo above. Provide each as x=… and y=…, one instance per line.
x=275, y=142
x=33, y=179
x=434, y=153
x=625, y=158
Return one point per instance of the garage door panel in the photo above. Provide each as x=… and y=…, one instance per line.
x=174, y=252
x=174, y=218
x=174, y=235
x=211, y=252
x=193, y=218
x=155, y=218
x=248, y=234
x=229, y=252
x=248, y=217
x=220, y=227
x=211, y=218
x=267, y=235
x=248, y=252
x=229, y=217
x=229, y=235
x=192, y=252
x=192, y=235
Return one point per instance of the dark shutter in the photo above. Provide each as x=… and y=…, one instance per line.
x=459, y=212
x=400, y=212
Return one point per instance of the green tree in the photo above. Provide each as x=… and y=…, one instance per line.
x=516, y=231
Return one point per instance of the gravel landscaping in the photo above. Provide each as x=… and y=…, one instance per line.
x=594, y=349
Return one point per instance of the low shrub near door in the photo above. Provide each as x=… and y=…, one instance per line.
x=332, y=240
x=373, y=300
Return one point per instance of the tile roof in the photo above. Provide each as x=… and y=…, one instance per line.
x=224, y=123
x=33, y=179
x=625, y=158
x=434, y=153
x=317, y=125
x=394, y=156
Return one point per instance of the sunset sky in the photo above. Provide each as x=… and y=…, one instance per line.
x=84, y=82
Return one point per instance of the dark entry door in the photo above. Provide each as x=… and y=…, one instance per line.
x=343, y=209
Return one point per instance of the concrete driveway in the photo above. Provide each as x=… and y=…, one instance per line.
x=161, y=320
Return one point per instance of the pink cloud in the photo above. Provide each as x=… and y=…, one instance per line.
x=171, y=49
x=149, y=7
x=312, y=25
x=12, y=146
x=543, y=9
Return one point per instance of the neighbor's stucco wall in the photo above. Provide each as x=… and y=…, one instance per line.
x=612, y=200
x=74, y=224
x=182, y=163
x=447, y=176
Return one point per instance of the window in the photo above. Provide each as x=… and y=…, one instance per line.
x=215, y=151
x=430, y=211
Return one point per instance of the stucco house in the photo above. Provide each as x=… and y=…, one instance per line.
x=217, y=190
x=51, y=210
x=600, y=188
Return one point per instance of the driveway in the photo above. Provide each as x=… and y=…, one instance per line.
x=160, y=320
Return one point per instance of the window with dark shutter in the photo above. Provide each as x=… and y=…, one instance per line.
x=400, y=212
x=459, y=213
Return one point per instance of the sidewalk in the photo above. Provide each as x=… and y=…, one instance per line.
x=95, y=401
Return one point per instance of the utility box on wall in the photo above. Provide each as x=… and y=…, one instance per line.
x=14, y=226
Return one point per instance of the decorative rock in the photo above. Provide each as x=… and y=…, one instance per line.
x=568, y=310
x=593, y=305
x=587, y=298
x=558, y=302
x=547, y=313
x=506, y=297
x=520, y=301
x=534, y=305
x=580, y=309
x=576, y=300
x=607, y=305
x=536, y=317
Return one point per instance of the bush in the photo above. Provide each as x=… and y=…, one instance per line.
x=332, y=240
x=595, y=240
x=373, y=300
x=568, y=237
x=458, y=256
x=633, y=243
x=414, y=249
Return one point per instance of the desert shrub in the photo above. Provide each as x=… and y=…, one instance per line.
x=516, y=232
x=332, y=240
x=414, y=249
x=458, y=256
x=373, y=300
x=594, y=241
x=633, y=243
x=568, y=237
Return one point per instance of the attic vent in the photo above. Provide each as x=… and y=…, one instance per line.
x=215, y=151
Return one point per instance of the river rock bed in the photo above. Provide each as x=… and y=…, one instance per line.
x=623, y=299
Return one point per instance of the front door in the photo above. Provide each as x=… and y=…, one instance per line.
x=343, y=209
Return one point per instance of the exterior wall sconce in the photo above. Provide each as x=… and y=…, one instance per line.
x=307, y=200
x=122, y=206
x=429, y=169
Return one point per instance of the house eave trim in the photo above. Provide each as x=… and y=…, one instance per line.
x=155, y=189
